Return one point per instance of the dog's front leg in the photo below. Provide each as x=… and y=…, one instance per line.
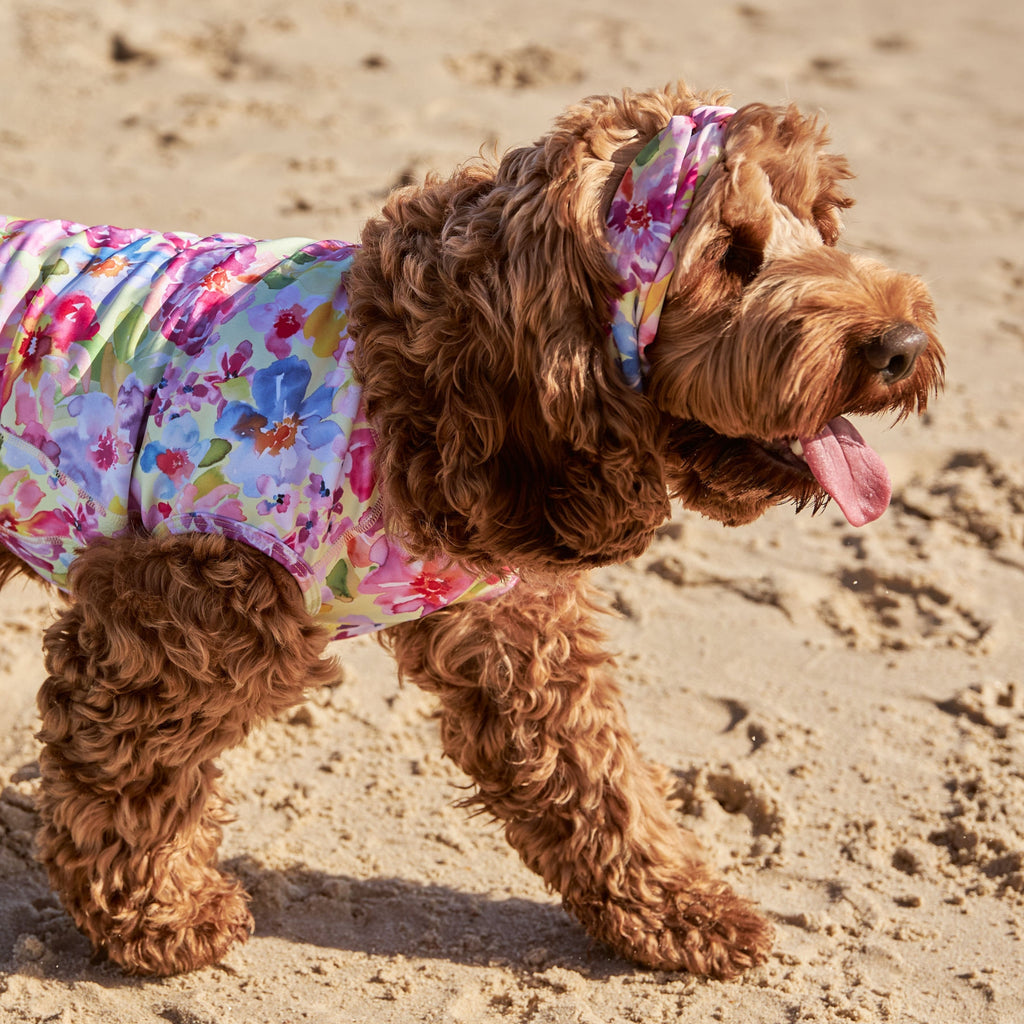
x=530, y=712
x=170, y=651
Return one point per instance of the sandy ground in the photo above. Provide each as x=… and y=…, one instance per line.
x=844, y=709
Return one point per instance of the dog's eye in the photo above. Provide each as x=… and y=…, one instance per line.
x=743, y=258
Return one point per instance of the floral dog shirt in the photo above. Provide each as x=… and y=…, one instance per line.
x=198, y=385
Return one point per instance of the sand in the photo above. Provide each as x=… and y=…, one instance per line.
x=844, y=709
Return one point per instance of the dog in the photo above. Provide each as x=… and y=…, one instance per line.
x=227, y=452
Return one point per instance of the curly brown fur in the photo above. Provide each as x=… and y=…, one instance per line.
x=530, y=712
x=170, y=652
x=507, y=437
x=481, y=304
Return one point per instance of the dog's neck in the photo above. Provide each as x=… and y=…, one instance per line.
x=650, y=206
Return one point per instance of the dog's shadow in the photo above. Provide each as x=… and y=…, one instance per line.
x=378, y=916
x=401, y=917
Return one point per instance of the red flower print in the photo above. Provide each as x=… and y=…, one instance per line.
x=638, y=217
x=105, y=451
x=175, y=463
x=432, y=588
x=217, y=279
x=34, y=348
x=288, y=322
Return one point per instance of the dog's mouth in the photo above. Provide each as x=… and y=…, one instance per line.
x=844, y=465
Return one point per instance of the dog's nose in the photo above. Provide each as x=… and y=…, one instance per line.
x=893, y=354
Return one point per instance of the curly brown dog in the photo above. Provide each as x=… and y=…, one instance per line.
x=529, y=421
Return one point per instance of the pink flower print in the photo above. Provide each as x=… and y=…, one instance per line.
x=35, y=347
x=174, y=458
x=106, y=452
x=51, y=325
x=327, y=510
x=37, y=340
x=355, y=625
x=217, y=280
x=19, y=497
x=287, y=323
x=365, y=550
x=194, y=393
x=107, y=237
x=309, y=533
x=408, y=587
x=45, y=554
x=174, y=463
x=690, y=179
x=82, y=520
x=34, y=408
x=433, y=589
x=233, y=365
x=164, y=393
x=279, y=320
x=97, y=439
x=622, y=203
x=646, y=212
x=319, y=494
x=74, y=320
x=190, y=332
x=638, y=218
x=209, y=279
x=359, y=472
x=220, y=501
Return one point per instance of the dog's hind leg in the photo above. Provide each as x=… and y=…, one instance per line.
x=170, y=651
x=530, y=712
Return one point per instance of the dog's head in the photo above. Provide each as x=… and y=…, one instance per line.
x=771, y=334
x=766, y=334
x=483, y=307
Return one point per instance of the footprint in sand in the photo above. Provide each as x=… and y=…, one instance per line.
x=733, y=800
x=982, y=830
x=893, y=611
x=528, y=66
x=981, y=494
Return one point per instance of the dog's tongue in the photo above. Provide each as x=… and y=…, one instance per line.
x=849, y=470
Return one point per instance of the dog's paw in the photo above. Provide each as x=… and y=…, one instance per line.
x=707, y=930
x=717, y=934
x=174, y=939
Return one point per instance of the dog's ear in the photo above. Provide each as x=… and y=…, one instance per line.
x=577, y=479
x=591, y=449
x=506, y=435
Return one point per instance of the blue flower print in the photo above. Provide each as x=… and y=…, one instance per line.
x=174, y=458
x=273, y=444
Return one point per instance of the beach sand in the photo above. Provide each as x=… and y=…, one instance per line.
x=844, y=709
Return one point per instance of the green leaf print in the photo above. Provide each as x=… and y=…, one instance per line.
x=337, y=580
x=217, y=451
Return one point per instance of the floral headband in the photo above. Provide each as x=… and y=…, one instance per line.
x=648, y=210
